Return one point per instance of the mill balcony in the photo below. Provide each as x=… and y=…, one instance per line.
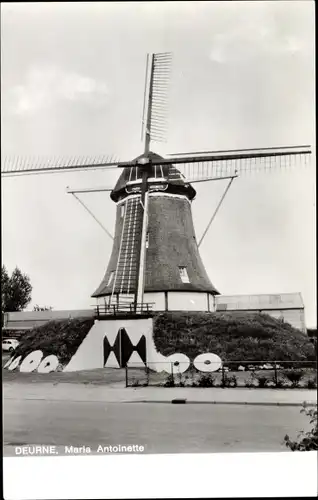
x=123, y=309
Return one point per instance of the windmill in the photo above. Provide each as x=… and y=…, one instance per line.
x=155, y=260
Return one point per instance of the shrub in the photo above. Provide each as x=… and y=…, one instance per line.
x=170, y=381
x=62, y=338
x=271, y=384
x=307, y=441
x=261, y=381
x=188, y=380
x=249, y=383
x=234, y=336
x=311, y=383
x=135, y=383
x=294, y=376
x=179, y=379
x=279, y=383
x=229, y=381
x=206, y=381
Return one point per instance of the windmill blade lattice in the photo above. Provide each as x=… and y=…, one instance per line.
x=16, y=166
x=215, y=165
x=194, y=168
x=158, y=96
x=251, y=163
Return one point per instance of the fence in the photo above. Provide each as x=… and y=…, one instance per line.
x=268, y=374
x=122, y=309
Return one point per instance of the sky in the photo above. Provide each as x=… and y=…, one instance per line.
x=72, y=83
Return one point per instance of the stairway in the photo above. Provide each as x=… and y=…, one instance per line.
x=127, y=264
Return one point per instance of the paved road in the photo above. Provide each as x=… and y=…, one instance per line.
x=115, y=393
x=161, y=428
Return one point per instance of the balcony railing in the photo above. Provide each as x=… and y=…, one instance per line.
x=121, y=309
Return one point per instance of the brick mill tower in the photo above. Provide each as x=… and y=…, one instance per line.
x=155, y=243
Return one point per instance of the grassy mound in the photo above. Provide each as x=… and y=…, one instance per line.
x=236, y=336
x=61, y=338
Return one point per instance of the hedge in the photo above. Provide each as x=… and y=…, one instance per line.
x=62, y=338
x=232, y=336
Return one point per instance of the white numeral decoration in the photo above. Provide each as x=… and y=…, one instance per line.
x=8, y=363
x=207, y=362
x=177, y=363
x=31, y=362
x=15, y=363
x=48, y=364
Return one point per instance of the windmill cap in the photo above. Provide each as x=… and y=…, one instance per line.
x=165, y=172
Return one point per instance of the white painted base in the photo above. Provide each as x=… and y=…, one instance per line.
x=111, y=361
x=90, y=353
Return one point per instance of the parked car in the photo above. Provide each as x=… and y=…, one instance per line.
x=10, y=345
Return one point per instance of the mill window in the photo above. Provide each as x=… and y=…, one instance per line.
x=110, y=279
x=184, y=275
x=147, y=240
x=122, y=210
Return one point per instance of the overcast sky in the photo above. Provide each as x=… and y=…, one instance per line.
x=72, y=84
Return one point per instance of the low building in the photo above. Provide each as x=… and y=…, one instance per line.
x=25, y=320
x=288, y=307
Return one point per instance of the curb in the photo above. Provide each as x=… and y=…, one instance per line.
x=240, y=403
x=172, y=401
x=63, y=400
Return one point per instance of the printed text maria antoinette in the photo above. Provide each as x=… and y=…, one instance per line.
x=76, y=450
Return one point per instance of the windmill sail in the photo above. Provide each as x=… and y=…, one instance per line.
x=216, y=165
x=193, y=167
x=157, y=106
x=15, y=166
x=200, y=167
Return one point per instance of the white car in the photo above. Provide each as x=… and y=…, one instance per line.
x=9, y=344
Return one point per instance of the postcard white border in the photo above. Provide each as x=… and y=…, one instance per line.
x=161, y=476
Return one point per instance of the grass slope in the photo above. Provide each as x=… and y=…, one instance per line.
x=234, y=336
x=61, y=338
